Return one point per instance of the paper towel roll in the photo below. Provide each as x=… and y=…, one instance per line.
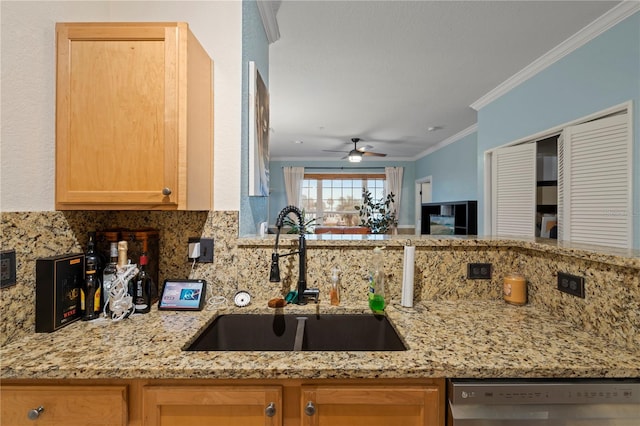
x=407, y=276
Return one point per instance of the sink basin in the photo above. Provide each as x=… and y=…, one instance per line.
x=330, y=332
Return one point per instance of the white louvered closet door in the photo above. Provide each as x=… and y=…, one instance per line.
x=514, y=190
x=596, y=182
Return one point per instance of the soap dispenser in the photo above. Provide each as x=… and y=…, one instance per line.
x=334, y=292
x=377, y=282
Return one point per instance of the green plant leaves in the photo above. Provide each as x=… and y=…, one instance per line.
x=376, y=215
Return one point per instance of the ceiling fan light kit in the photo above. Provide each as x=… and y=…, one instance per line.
x=355, y=156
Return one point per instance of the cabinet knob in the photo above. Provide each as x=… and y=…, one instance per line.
x=166, y=191
x=310, y=409
x=270, y=411
x=35, y=413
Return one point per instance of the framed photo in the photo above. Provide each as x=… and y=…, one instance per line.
x=258, y=134
x=548, y=222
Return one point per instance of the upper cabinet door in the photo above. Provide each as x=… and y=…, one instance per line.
x=514, y=190
x=126, y=135
x=595, y=182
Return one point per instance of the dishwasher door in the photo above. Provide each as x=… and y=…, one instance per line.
x=544, y=403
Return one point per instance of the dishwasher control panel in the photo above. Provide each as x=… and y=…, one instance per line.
x=510, y=392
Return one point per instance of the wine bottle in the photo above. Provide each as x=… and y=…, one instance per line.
x=109, y=273
x=90, y=293
x=142, y=287
x=91, y=296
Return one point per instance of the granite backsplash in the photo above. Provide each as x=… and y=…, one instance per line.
x=611, y=307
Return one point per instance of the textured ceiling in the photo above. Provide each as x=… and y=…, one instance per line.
x=387, y=71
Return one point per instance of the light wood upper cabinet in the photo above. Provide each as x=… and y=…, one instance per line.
x=371, y=405
x=63, y=405
x=214, y=405
x=134, y=118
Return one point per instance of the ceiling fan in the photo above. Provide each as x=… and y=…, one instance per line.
x=356, y=154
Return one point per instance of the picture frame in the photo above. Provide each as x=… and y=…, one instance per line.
x=548, y=222
x=258, y=126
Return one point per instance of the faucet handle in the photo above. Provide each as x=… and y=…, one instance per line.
x=274, y=273
x=312, y=294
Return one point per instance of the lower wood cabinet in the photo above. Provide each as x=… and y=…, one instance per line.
x=212, y=405
x=355, y=405
x=232, y=402
x=63, y=405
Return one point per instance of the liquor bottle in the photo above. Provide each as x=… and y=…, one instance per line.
x=123, y=260
x=91, y=298
x=125, y=301
x=142, y=287
x=109, y=273
x=90, y=293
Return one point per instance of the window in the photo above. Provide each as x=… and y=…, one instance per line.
x=331, y=198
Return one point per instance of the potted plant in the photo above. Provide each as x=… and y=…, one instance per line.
x=377, y=215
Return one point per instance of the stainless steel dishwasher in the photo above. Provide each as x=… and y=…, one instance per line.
x=543, y=402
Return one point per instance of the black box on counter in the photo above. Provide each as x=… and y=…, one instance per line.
x=59, y=280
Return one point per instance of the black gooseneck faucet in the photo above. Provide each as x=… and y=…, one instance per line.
x=274, y=274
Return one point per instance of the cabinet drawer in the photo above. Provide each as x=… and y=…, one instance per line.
x=212, y=405
x=64, y=405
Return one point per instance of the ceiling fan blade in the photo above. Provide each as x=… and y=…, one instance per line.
x=332, y=150
x=374, y=154
x=365, y=148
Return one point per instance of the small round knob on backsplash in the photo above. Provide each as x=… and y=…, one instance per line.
x=166, y=191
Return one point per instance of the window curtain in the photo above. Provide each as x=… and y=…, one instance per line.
x=394, y=185
x=293, y=177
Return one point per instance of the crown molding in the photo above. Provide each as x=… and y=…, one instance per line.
x=268, y=10
x=451, y=139
x=610, y=19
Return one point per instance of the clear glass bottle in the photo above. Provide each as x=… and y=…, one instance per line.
x=377, y=282
x=142, y=287
x=334, y=292
x=109, y=273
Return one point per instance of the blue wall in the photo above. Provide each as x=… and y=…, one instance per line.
x=255, y=47
x=603, y=73
x=453, y=170
x=278, y=198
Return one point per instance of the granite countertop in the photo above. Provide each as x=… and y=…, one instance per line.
x=445, y=339
x=628, y=258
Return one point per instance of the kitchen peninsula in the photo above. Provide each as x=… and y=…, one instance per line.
x=457, y=328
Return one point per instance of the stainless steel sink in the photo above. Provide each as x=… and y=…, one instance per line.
x=329, y=332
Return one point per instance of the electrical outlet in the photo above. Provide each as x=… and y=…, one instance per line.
x=7, y=268
x=478, y=271
x=206, y=249
x=571, y=284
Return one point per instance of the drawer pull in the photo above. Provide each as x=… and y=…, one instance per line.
x=35, y=413
x=310, y=409
x=270, y=411
x=166, y=191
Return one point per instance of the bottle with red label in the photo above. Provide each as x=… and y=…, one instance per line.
x=142, y=287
